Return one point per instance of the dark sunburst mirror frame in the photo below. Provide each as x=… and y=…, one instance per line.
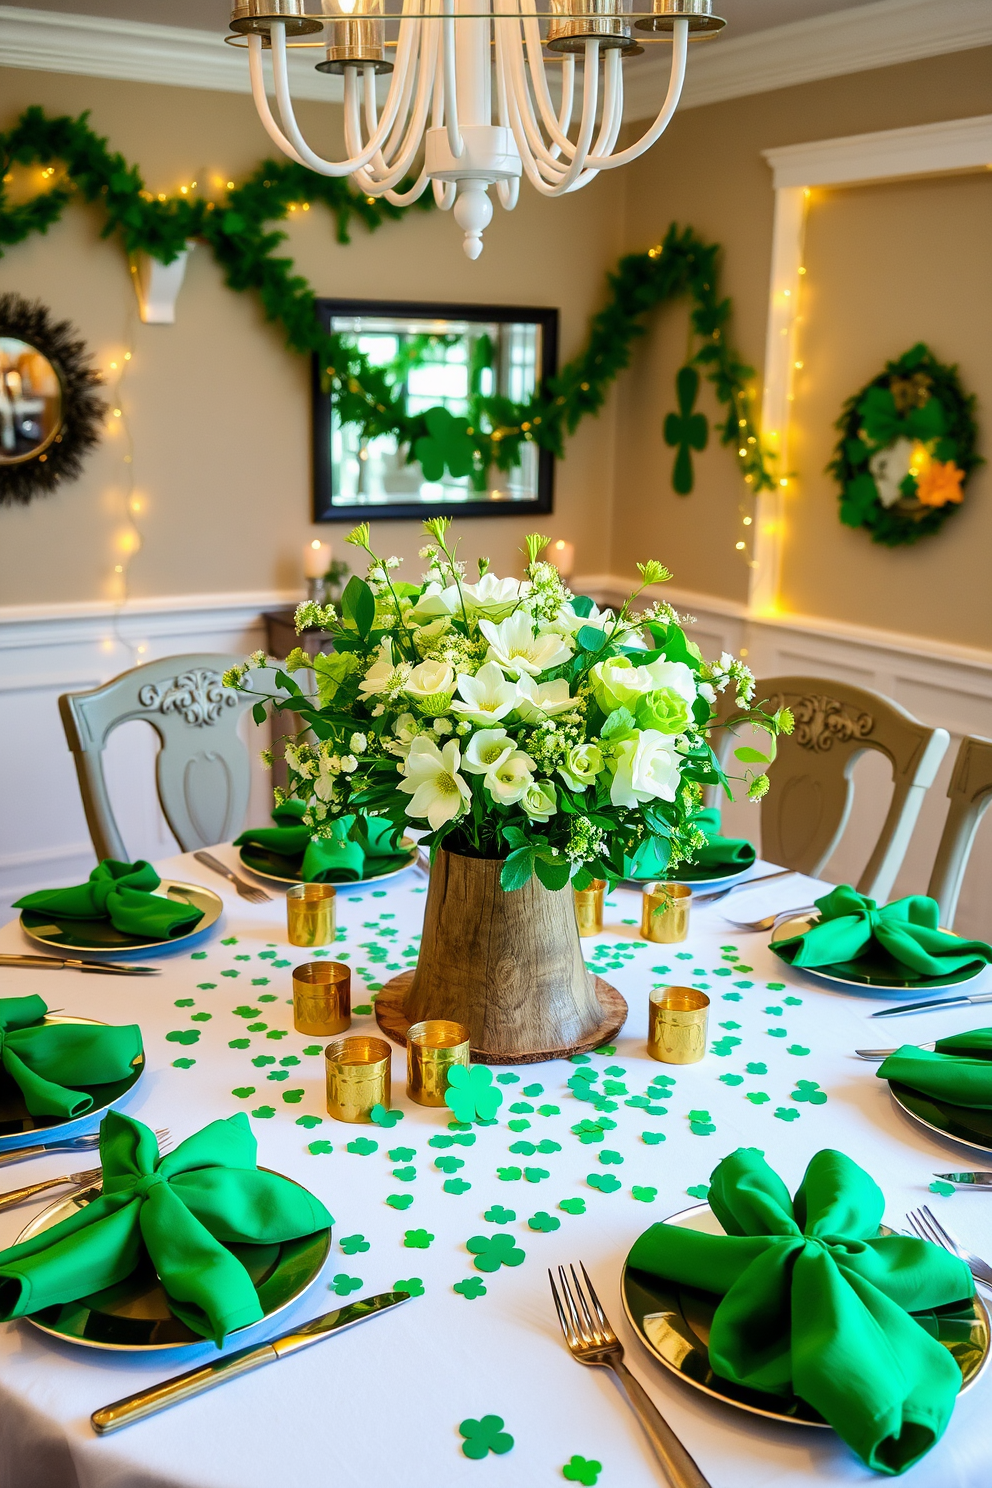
x=82, y=411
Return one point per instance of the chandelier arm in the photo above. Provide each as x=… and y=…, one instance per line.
x=404, y=198
x=402, y=162
x=532, y=169
x=257, y=74
x=288, y=117
x=539, y=77
x=407, y=133
x=526, y=129
x=508, y=193
x=680, y=48
x=612, y=116
x=445, y=192
x=567, y=93
x=590, y=98
x=416, y=47
x=455, y=142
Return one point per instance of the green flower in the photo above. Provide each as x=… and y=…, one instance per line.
x=664, y=710
x=471, y=1093
x=493, y=1251
x=485, y=1436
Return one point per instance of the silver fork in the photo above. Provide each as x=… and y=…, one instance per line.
x=925, y=1224
x=87, y=1179
x=591, y=1340
x=67, y=1144
x=749, y=883
x=248, y=891
x=768, y=922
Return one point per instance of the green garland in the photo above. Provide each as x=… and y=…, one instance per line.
x=238, y=232
x=907, y=447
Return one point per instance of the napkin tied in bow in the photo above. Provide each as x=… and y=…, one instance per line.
x=959, y=1070
x=350, y=854
x=123, y=894
x=183, y=1209
x=47, y=1060
x=814, y=1302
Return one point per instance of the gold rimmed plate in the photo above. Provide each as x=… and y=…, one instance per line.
x=70, y=934
x=134, y=1316
x=17, y=1122
x=872, y=973
x=278, y=868
x=673, y=1322
x=964, y=1124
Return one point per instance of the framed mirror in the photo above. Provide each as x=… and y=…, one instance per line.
x=446, y=369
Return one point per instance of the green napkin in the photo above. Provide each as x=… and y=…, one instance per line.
x=719, y=855
x=815, y=1303
x=183, y=1209
x=46, y=1061
x=903, y=935
x=340, y=858
x=122, y=893
x=959, y=1070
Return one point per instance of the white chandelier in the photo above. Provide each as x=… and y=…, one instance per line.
x=447, y=59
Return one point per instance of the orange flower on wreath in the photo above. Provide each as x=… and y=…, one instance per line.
x=939, y=483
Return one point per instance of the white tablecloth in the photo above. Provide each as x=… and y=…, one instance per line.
x=380, y=1406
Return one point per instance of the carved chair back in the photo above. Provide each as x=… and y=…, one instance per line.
x=970, y=793
x=804, y=814
x=202, y=770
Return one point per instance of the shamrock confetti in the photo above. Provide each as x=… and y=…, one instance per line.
x=809, y=1090
x=493, y=1251
x=535, y=1175
x=343, y=1285
x=292, y=1097
x=399, y=1201
x=787, y=1114
x=544, y=1223
x=700, y=1124
x=184, y=1002
x=608, y=1156
x=573, y=1206
x=183, y=1063
x=318, y=1147
x=757, y=1069
x=651, y=1139
x=487, y=1435
x=452, y=1164
x=796, y=1049
x=183, y=1036
x=404, y=1175
x=582, y=1470
x=456, y=1186
x=471, y=1093
x=940, y=1187
x=777, y=1032
x=757, y=1097
x=414, y=1287
x=605, y=1182
x=363, y=1146
x=698, y=1191
x=471, y=1287
x=382, y=1117
x=264, y=1112
x=243, y=1091
x=646, y=1195
x=731, y=1079
x=509, y=1175
x=498, y=1215
x=309, y=1121
x=507, y=1078
x=353, y=1244
x=401, y=1154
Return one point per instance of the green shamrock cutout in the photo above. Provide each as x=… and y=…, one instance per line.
x=231, y=940
x=582, y=1470
x=261, y=1060
x=522, y=1108
x=471, y=1093
x=646, y=1195
x=523, y=1149
x=382, y=1117
x=572, y=1206
x=787, y=1114
x=245, y=1011
x=198, y=956
x=940, y=1187
x=399, y=1201
x=793, y=1001
x=402, y=1154
x=404, y=1175
x=757, y=1097
x=447, y=444
x=493, y=1251
x=353, y=1244
x=413, y=1287
x=726, y=1045
x=777, y=1032
x=278, y=1075
x=757, y=1069
x=521, y=1124
x=343, y=1285
x=773, y=1011
x=498, y=1215
x=264, y=1112
x=533, y=1090
x=543, y=1222
x=471, y=1287
x=415, y=1239
x=456, y=1186
x=313, y=1049
x=293, y=1097
x=362, y=1146
x=452, y=1164
x=485, y=1436
x=651, y=1139
x=507, y=1078
x=549, y=1110
x=183, y=1063
x=796, y=1049
x=809, y=1090
x=243, y=1091
x=731, y=1079
x=534, y=1175
x=184, y=1002
x=700, y=1124
x=588, y=1131
x=698, y=1190
x=309, y=1121
x=608, y=1156
x=205, y=987
x=605, y=1182
x=183, y=1036
x=509, y=1175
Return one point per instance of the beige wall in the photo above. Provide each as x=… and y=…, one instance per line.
x=908, y=272
x=218, y=408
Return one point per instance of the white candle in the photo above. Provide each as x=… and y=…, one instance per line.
x=561, y=555
x=316, y=559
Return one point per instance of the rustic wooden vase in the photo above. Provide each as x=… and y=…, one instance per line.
x=509, y=966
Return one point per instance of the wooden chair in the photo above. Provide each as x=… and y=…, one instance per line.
x=970, y=793
x=203, y=768
x=804, y=814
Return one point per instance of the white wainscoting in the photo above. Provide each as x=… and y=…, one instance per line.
x=47, y=650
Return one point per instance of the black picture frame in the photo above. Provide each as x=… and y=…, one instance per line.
x=324, y=509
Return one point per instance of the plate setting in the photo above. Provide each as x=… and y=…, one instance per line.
x=873, y=974
x=66, y=933
x=968, y=1125
x=278, y=868
x=16, y=1122
x=673, y=1323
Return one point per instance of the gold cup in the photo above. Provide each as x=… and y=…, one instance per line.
x=310, y=914
x=358, y=1077
x=589, y=907
x=665, y=912
x=432, y=1049
x=678, y=1025
x=322, y=997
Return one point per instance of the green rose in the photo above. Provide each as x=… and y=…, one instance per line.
x=617, y=683
x=662, y=709
x=582, y=765
x=539, y=801
x=332, y=671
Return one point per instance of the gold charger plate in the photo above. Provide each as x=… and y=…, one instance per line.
x=66, y=933
x=277, y=867
x=673, y=1323
x=134, y=1316
x=16, y=1120
x=865, y=972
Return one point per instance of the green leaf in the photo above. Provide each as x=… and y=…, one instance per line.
x=552, y=875
x=258, y=712
x=591, y=639
x=517, y=869
x=749, y=756
x=619, y=724
x=358, y=605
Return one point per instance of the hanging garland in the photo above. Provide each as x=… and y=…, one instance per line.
x=238, y=232
x=907, y=447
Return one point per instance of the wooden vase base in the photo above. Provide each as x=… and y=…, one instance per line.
x=392, y=1019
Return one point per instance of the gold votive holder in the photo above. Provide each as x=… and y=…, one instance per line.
x=432, y=1049
x=677, y=1033
x=358, y=1077
x=310, y=916
x=665, y=912
x=589, y=907
x=322, y=997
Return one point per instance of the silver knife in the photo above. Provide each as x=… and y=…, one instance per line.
x=195, y=1381
x=924, y=1007
x=971, y=1180
x=59, y=963
x=884, y=1053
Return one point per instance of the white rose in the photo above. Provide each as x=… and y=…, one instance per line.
x=539, y=801
x=645, y=768
x=508, y=780
x=582, y=765
x=673, y=674
x=359, y=743
x=432, y=685
x=493, y=597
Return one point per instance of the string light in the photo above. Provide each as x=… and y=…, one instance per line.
x=128, y=539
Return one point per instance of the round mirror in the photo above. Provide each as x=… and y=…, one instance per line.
x=30, y=401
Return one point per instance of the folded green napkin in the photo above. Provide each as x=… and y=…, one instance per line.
x=183, y=1209
x=816, y=1304
x=45, y=1062
x=122, y=893
x=959, y=1070
x=719, y=855
x=903, y=935
x=341, y=858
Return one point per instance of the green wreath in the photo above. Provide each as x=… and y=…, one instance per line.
x=906, y=450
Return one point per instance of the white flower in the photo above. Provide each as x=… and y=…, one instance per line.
x=539, y=801
x=889, y=468
x=542, y=699
x=405, y=728
x=487, y=750
x=674, y=674
x=617, y=683
x=348, y=763
x=646, y=768
x=358, y=743
x=384, y=675
x=442, y=725
x=492, y=597
x=581, y=767
x=431, y=683
x=569, y=623
x=508, y=780
x=488, y=696
x=433, y=781
x=514, y=645
x=707, y=692
x=434, y=603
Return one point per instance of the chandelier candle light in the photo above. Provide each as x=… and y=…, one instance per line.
x=468, y=82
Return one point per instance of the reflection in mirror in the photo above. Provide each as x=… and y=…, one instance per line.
x=30, y=401
x=455, y=358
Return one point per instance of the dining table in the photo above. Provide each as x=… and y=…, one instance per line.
x=380, y=1406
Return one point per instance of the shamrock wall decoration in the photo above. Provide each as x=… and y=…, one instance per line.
x=685, y=431
x=447, y=444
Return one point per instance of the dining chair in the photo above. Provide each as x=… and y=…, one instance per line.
x=970, y=793
x=202, y=769
x=804, y=815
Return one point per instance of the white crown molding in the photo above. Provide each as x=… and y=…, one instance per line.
x=139, y=620
x=855, y=40
x=922, y=149
x=139, y=52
